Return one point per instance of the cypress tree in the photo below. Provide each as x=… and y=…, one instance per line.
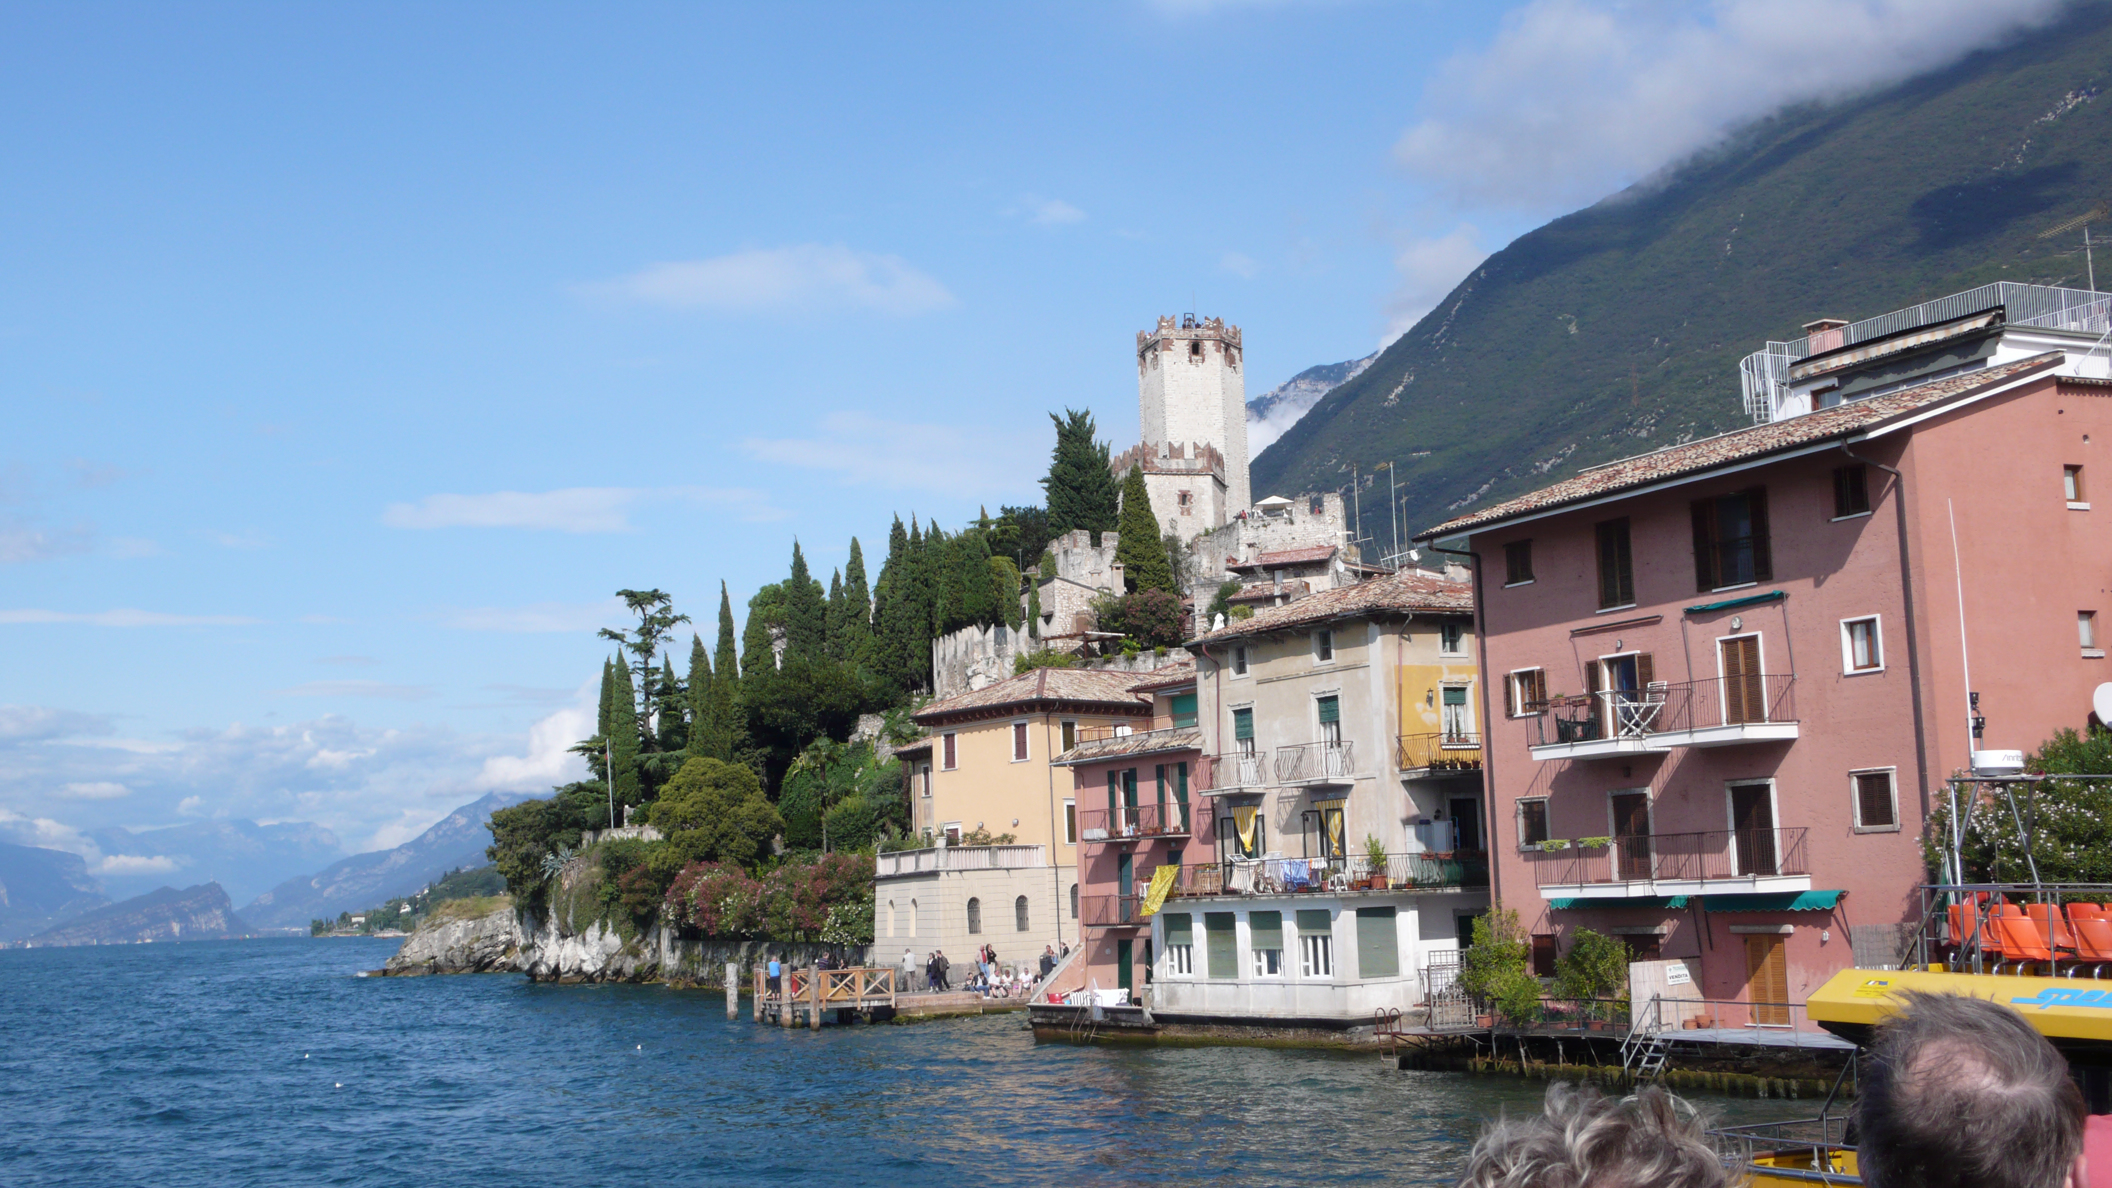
x=972, y=567
x=893, y=619
x=806, y=610
x=766, y=610
x=721, y=728
x=672, y=722
x=608, y=698
x=623, y=737
x=922, y=597
x=1080, y=485
x=1143, y=556
x=835, y=638
x=725, y=665
x=699, y=701
x=1004, y=591
x=858, y=610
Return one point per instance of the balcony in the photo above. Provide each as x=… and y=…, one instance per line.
x=945, y=858
x=1135, y=822
x=1438, y=754
x=1112, y=911
x=1239, y=770
x=1717, y=712
x=1719, y=862
x=1317, y=763
x=1426, y=871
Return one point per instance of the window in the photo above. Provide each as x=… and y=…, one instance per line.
x=1876, y=806
x=1458, y=723
x=1731, y=542
x=950, y=751
x=1180, y=944
x=953, y=833
x=1195, y=349
x=1019, y=913
x=1074, y=901
x=1243, y=730
x=1070, y=735
x=1316, y=943
x=1219, y=940
x=1451, y=638
x=1323, y=646
x=1239, y=661
x=1019, y=742
x=1378, y=944
x=1544, y=954
x=1861, y=648
x=1528, y=692
x=1265, y=933
x=1532, y=821
x=1616, y=566
x=1851, y=492
x=1070, y=822
x=1518, y=563
x=1182, y=710
x=2072, y=484
x=975, y=914
x=1330, y=714
x=924, y=778
x=1187, y=504
x=2086, y=629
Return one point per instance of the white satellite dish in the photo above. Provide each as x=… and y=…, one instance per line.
x=2101, y=701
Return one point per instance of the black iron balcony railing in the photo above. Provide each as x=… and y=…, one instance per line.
x=1718, y=854
x=1459, y=751
x=1172, y=819
x=1667, y=708
x=1319, y=762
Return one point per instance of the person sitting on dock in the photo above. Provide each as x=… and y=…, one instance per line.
x=1048, y=960
x=1587, y=1140
x=1962, y=1091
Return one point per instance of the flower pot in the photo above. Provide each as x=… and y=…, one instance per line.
x=1376, y=882
x=1483, y=1021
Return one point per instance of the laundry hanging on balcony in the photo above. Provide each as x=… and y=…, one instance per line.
x=1155, y=895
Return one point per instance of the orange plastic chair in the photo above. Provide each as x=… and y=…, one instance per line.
x=2023, y=939
x=2093, y=939
x=2086, y=911
x=2048, y=918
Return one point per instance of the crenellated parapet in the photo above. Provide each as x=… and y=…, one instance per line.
x=1158, y=458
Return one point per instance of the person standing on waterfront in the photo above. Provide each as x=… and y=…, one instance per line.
x=909, y=969
x=775, y=971
x=939, y=969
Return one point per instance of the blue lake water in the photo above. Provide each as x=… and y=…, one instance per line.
x=271, y=1062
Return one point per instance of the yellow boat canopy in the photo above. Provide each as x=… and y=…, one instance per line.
x=2072, y=1013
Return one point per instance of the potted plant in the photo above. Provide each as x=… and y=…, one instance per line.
x=1594, y=843
x=1375, y=862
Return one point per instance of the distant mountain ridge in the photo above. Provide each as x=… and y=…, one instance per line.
x=1274, y=411
x=202, y=912
x=40, y=887
x=363, y=880
x=244, y=857
x=1618, y=329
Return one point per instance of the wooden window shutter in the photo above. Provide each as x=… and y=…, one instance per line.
x=1540, y=686
x=1874, y=800
x=1330, y=709
x=1645, y=670
x=1114, y=794
x=1763, y=552
x=1704, y=545
x=1378, y=944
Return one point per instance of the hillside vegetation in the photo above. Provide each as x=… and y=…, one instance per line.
x=1618, y=329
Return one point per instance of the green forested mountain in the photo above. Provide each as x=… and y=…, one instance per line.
x=1618, y=329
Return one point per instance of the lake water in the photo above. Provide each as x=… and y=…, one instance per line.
x=270, y=1062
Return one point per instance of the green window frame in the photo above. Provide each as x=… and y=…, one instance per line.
x=1243, y=725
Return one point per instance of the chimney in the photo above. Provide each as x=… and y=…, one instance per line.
x=1826, y=334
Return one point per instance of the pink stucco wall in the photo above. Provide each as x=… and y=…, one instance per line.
x=1099, y=863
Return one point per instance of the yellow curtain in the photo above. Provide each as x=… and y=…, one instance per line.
x=1161, y=884
x=1334, y=830
x=1243, y=822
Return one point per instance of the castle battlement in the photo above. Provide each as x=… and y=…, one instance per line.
x=1192, y=421
x=1187, y=328
x=1156, y=458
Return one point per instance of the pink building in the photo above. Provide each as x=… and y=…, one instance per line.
x=1725, y=681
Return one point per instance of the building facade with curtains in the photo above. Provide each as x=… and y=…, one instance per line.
x=1337, y=857
x=1729, y=678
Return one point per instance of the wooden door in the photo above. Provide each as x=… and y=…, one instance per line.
x=1744, y=696
x=1631, y=834
x=1767, y=980
x=1753, y=829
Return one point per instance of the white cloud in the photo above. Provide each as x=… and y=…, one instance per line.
x=126, y=617
x=1577, y=98
x=95, y=790
x=190, y=805
x=549, y=760
x=1427, y=270
x=357, y=689
x=541, y=617
x=809, y=276
x=949, y=459
x=572, y=509
x=38, y=723
x=21, y=541
x=1050, y=212
x=1238, y=265
x=137, y=864
x=45, y=833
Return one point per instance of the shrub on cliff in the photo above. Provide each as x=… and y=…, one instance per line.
x=526, y=833
x=1151, y=618
x=715, y=812
x=715, y=900
x=830, y=899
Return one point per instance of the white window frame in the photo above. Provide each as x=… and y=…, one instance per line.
x=1723, y=687
x=950, y=751
x=1067, y=733
x=1180, y=961
x=1070, y=821
x=1730, y=813
x=1459, y=644
x=2072, y=488
x=951, y=831
x=1324, y=645
x=1316, y=948
x=1848, y=668
x=1242, y=662
x=1855, y=799
x=1467, y=706
x=1313, y=709
x=1022, y=739
x=2086, y=634
x=1514, y=701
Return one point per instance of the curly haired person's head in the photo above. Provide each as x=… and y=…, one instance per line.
x=1587, y=1140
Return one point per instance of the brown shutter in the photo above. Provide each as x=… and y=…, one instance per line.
x=1763, y=553
x=1704, y=545
x=1645, y=670
x=1591, y=688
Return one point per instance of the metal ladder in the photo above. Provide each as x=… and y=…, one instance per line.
x=1646, y=1046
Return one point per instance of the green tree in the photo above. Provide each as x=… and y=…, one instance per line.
x=895, y=621
x=1150, y=617
x=1596, y=967
x=2069, y=822
x=1004, y=591
x=623, y=740
x=1222, y=604
x=1034, y=609
x=766, y=619
x=656, y=619
x=1143, y=557
x=671, y=699
x=971, y=559
x=716, y=812
x=1080, y=485
x=856, y=629
x=832, y=632
x=1023, y=533
x=698, y=697
x=806, y=609
x=1496, y=968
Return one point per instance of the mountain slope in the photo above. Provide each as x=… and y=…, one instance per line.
x=195, y=913
x=39, y=887
x=364, y=880
x=243, y=856
x=1279, y=408
x=1618, y=329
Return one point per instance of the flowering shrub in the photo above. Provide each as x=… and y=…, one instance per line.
x=827, y=900
x=717, y=900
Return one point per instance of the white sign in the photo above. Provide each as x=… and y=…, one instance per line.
x=1677, y=974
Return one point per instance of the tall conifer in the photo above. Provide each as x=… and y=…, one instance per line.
x=725, y=661
x=806, y=610
x=971, y=561
x=699, y=700
x=1080, y=486
x=858, y=609
x=623, y=736
x=837, y=634
x=1143, y=556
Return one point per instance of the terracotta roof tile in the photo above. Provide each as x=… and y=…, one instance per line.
x=1169, y=676
x=1072, y=685
x=1399, y=593
x=1696, y=457
x=1305, y=556
x=1143, y=742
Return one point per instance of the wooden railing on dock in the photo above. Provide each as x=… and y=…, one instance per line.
x=812, y=991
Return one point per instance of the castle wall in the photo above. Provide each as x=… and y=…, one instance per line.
x=1294, y=527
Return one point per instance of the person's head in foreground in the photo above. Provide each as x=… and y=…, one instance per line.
x=1587, y=1140
x=1961, y=1093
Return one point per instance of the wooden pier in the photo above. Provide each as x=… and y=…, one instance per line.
x=805, y=994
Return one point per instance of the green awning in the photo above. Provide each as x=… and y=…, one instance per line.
x=1777, y=901
x=1641, y=901
x=1729, y=603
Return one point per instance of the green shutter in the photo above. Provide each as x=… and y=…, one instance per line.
x=1315, y=922
x=1242, y=724
x=1378, y=948
x=1160, y=774
x=1114, y=796
x=1455, y=695
x=1180, y=928
x=1180, y=785
x=1129, y=787
x=1184, y=710
x=1220, y=941
x=1267, y=929
x=1330, y=710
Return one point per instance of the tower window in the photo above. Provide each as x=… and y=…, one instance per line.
x=1195, y=349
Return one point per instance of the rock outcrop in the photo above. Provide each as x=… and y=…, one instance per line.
x=465, y=936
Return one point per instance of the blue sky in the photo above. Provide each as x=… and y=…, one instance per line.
x=353, y=355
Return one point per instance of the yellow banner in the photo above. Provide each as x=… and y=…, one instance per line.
x=1161, y=884
x=1243, y=823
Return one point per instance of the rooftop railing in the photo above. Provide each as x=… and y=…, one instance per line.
x=902, y=862
x=1458, y=751
x=1717, y=854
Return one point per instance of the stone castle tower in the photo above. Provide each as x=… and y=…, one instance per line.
x=1192, y=413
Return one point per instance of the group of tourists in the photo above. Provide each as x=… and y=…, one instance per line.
x=1956, y=1092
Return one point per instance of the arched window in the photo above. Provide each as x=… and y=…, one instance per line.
x=1074, y=901
x=975, y=915
x=1019, y=912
